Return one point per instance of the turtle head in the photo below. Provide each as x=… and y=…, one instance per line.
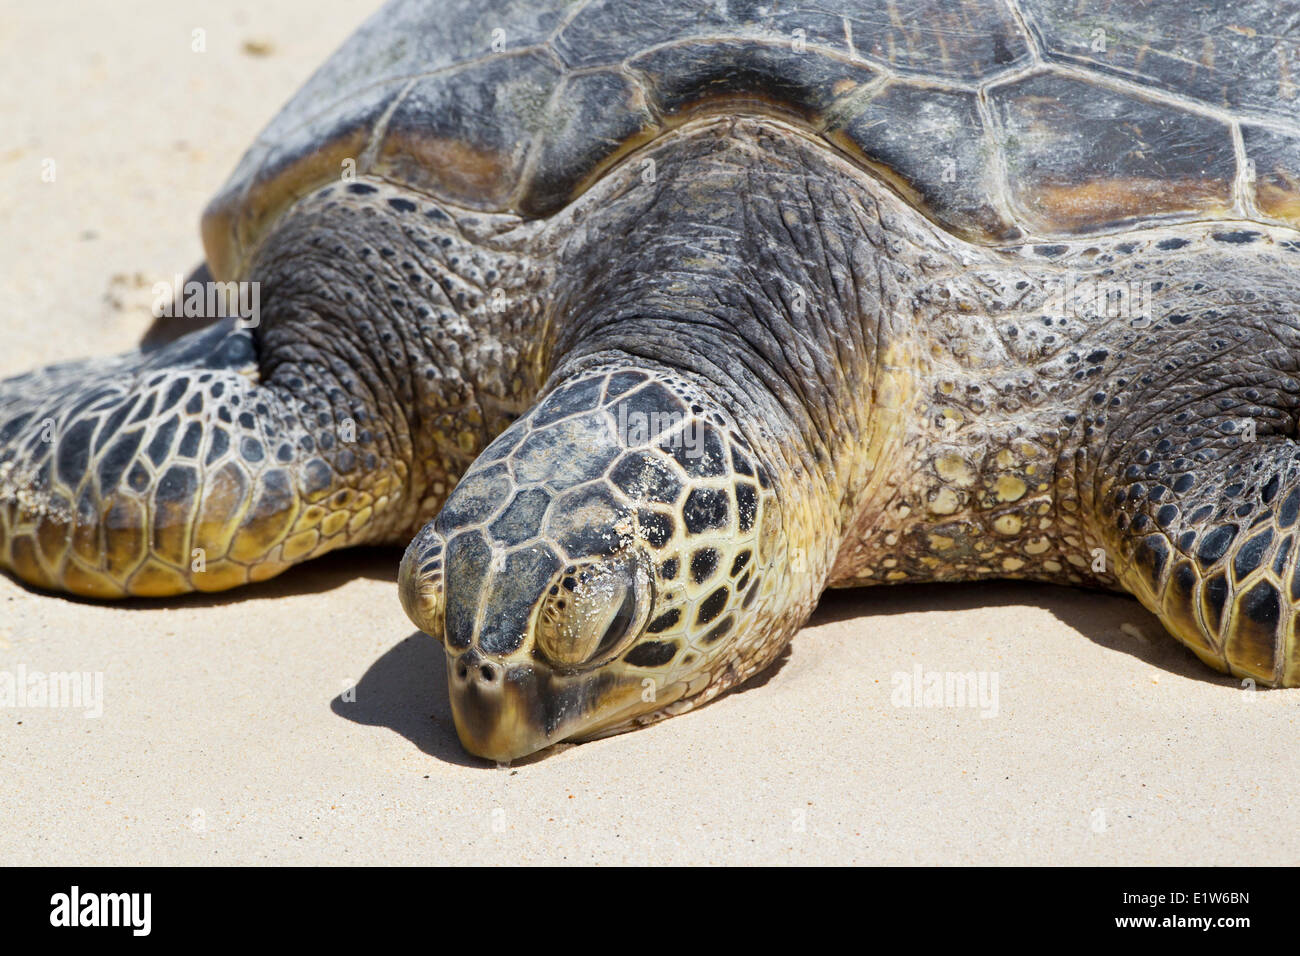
x=600, y=565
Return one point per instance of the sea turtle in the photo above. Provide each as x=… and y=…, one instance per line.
x=649, y=321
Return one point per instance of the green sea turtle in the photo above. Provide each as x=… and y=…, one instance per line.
x=650, y=321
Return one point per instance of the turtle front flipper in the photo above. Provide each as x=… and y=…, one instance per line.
x=178, y=470
x=1200, y=518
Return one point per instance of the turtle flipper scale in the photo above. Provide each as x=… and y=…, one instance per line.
x=176, y=470
x=1209, y=547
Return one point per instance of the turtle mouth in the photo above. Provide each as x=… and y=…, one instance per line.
x=505, y=712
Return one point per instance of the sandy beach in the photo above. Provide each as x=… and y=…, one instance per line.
x=306, y=721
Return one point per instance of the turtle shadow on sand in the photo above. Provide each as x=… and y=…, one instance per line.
x=405, y=689
x=1112, y=620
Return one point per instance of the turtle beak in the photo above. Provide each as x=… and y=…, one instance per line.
x=504, y=710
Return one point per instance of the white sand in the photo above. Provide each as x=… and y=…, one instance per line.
x=223, y=738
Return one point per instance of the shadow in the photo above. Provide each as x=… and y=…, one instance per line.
x=323, y=574
x=406, y=691
x=1110, y=619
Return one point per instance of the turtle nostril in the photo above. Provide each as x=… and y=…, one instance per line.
x=488, y=672
x=462, y=672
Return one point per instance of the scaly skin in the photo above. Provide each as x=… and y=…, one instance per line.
x=835, y=392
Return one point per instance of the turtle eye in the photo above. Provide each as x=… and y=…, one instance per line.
x=591, y=613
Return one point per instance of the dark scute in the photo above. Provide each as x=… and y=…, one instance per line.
x=178, y=485
x=174, y=393
x=503, y=444
x=741, y=463
x=713, y=605
x=1215, y=544
x=772, y=75
x=1290, y=509
x=656, y=529
x=746, y=505
x=703, y=563
x=722, y=629
x=522, y=517
x=251, y=450
x=584, y=522
x=909, y=130
x=475, y=499
x=1216, y=595
x=668, y=570
x=705, y=508
x=621, y=382
x=646, y=477
x=191, y=441
x=738, y=565
x=959, y=41
x=567, y=452
x=569, y=399
x=12, y=427
x=218, y=445
x=463, y=135
x=74, y=452
x=1251, y=554
x=1269, y=491
x=1283, y=554
x=664, y=621
x=594, y=118
x=316, y=476
x=1062, y=143
x=468, y=559
x=1253, y=640
x=647, y=411
x=109, y=429
x=651, y=654
x=515, y=590
x=1151, y=554
x=114, y=461
x=1227, y=55
x=146, y=410
x=698, y=449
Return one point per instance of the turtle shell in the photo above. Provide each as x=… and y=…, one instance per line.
x=1001, y=121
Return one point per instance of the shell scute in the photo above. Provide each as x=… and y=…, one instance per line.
x=930, y=144
x=1081, y=158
